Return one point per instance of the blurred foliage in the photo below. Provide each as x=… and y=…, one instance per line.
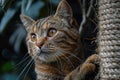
x=7, y=66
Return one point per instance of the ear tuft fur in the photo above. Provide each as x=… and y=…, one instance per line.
x=64, y=10
x=27, y=21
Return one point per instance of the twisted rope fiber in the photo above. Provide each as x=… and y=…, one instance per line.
x=109, y=39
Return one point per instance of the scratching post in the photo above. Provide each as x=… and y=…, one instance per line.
x=109, y=39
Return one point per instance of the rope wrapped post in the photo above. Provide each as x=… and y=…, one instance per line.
x=109, y=39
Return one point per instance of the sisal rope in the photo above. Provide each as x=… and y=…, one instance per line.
x=109, y=39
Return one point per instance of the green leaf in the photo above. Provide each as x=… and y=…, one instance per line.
x=7, y=66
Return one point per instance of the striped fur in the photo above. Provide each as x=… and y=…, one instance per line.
x=54, y=44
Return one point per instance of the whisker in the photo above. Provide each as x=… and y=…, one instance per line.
x=22, y=61
x=32, y=62
x=18, y=63
x=75, y=56
x=21, y=66
x=69, y=61
x=28, y=69
x=24, y=69
x=59, y=61
x=25, y=55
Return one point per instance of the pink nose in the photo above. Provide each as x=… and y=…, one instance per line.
x=39, y=44
x=41, y=41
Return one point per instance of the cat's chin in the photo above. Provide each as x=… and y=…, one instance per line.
x=42, y=59
x=46, y=60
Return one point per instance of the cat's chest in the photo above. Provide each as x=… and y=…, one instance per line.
x=46, y=72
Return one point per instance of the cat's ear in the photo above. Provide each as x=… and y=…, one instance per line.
x=27, y=21
x=64, y=10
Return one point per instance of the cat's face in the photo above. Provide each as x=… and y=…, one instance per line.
x=54, y=37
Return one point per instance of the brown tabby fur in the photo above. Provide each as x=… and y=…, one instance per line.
x=54, y=44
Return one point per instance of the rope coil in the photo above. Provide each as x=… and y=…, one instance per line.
x=109, y=39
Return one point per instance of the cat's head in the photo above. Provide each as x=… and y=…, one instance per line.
x=54, y=37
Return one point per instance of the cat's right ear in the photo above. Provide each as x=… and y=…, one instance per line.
x=64, y=10
x=27, y=21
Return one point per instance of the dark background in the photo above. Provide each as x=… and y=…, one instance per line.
x=13, y=57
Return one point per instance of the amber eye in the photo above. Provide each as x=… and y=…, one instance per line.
x=33, y=36
x=51, y=32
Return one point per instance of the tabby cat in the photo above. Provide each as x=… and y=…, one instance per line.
x=54, y=44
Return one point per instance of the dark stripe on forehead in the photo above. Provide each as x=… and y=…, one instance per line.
x=45, y=20
x=52, y=20
x=40, y=22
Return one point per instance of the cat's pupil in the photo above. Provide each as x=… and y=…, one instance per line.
x=33, y=35
x=51, y=32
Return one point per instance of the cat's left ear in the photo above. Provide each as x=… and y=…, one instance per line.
x=27, y=21
x=64, y=10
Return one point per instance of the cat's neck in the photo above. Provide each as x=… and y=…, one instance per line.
x=56, y=70
x=46, y=71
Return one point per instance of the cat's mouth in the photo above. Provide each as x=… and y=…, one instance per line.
x=43, y=52
x=46, y=55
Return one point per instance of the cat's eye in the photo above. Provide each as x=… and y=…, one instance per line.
x=33, y=36
x=51, y=32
